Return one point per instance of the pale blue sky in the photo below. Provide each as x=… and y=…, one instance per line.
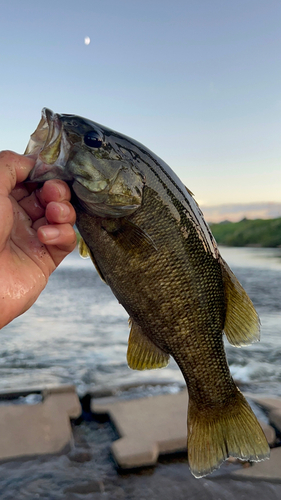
x=196, y=81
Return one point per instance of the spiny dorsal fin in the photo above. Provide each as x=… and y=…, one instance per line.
x=142, y=353
x=242, y=324
x=85, y=252
x=190, y=192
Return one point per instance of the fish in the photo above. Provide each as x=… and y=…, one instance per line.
x=149, y=242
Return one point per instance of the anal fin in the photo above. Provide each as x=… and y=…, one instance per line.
x=242, y=324
x=142, y=353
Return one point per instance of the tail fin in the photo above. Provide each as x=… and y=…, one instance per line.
x=233, y=432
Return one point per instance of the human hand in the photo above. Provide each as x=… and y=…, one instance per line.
x=36, y=233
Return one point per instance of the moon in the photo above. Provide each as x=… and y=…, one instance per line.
x=87, y=40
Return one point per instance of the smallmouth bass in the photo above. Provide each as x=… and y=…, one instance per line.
x=150, y=243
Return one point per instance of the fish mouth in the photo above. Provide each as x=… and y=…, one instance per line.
x=49, y=146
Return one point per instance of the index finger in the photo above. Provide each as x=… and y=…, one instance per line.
x=53, y=190
x=14, y=168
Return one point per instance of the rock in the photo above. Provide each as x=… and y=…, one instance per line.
x=86, y=487
x=44, y=428
x=80, y=456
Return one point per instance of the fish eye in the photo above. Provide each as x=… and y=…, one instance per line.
x=92, y=139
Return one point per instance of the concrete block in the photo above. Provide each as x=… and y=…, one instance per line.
x=268, y=470
x=272, y=405
x=275, y=418
x=267, y=402
x=44, y=428
x=269, y=432
x=147, y=426
x=150, y=426
x=65, y=398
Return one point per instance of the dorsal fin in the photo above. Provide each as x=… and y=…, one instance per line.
x=242, y=324
x=142, y=353
x=190, y=192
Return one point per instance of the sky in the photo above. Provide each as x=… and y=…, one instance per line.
x=196, y=81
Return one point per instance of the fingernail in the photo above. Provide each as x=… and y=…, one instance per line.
x=64, y=209
x=50, y=233
x=60, y=187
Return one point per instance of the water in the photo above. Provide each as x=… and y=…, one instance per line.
x=77, y=332
x=259, y=271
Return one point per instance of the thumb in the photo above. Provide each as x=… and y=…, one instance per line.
x=14, y=168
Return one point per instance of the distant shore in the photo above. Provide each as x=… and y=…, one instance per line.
x=254, y=233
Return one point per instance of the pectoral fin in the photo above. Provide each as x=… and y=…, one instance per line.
x=242, y=324
x=128, y=235
x=85, y=252
x=142, y=353
x=83, y=249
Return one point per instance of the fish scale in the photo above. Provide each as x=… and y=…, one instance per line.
x=149, y=242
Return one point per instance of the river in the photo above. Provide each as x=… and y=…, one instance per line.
x=77, y=333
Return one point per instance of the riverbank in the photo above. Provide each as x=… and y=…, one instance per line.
x=255, y=233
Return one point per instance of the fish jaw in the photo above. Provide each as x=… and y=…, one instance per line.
x=49, y=146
